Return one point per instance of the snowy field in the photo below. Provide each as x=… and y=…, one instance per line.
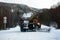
x=16, y=34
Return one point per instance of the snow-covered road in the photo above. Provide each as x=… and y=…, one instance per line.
x=15, y=34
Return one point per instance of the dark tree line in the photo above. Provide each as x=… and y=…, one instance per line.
x=56, y=15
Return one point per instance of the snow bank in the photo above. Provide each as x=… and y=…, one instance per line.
x=17, y=28
x=15, y=34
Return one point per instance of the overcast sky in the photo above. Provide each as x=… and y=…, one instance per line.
x=34, y=3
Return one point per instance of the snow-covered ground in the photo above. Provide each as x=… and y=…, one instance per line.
x=16, y=34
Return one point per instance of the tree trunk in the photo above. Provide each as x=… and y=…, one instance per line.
x=58, y=25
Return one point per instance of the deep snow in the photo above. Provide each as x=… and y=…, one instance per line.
x=16, y=34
